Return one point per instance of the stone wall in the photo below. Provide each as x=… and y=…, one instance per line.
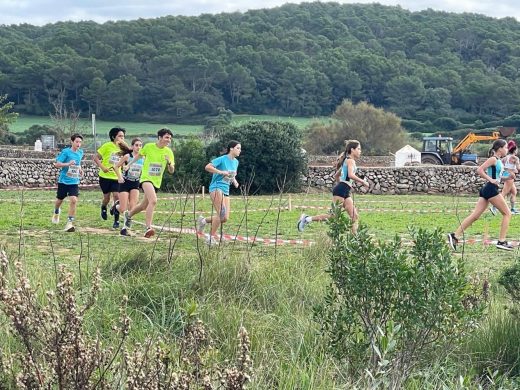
x=37, y=172
x=27, y=172
x=405, y=180
x=367, y=161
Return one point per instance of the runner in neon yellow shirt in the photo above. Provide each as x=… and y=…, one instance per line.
x=158, y=157
x=106, y=158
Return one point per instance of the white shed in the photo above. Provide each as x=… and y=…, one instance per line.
x=407, y=156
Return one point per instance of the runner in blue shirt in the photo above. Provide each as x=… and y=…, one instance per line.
x=224, y=170
x=69, y=160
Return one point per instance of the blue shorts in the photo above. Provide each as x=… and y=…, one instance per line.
x=342, y=190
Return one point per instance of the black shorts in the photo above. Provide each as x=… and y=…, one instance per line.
x=488, y=191
x=146, y=181
x=108, y=185
x=65, y=190
x=129, y=185
x=342, y=190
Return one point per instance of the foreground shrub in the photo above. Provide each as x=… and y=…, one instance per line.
x=53, y=349
x=388, y=306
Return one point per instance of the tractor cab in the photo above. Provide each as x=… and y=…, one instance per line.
x=437, y=150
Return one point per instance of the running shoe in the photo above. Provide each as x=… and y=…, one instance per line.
x=69, y=227
x=149, y=232
x=115, y=225
x=211, y=241
x=504, y=245
x=493, y=210
x=302, y=222
x=104, y=212
x=124, y=232
x=114, y=210
x=514, y=211
x=127, y=220
x=453, y=241
x=201, y=223
x=55, y=218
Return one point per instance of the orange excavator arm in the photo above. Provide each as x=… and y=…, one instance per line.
x=472, y=138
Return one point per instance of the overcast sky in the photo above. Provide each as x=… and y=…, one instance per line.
x=39, y=12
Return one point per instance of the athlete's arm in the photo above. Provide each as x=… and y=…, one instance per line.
x=352, y=175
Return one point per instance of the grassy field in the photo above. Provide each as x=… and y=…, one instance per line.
x=269, y=289
x=136, y=128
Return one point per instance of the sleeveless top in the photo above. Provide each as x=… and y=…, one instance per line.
x=344, y=172
x=495, y=171
x=134, y=172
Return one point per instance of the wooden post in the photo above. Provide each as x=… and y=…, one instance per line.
x=203, y=192
x=290, y=203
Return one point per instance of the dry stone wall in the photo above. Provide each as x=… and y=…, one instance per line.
x=37, y=172
x=405, y=180
x=40, y=172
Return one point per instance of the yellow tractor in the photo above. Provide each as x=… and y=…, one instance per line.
x=439, y=150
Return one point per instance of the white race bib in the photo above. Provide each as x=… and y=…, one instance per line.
x=154, y=169
x=134, y=172
x=229, y=178
x=114, y=159
x=73, y=171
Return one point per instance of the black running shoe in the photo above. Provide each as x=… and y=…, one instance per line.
x=504, y=245
x=113, y=209
x=453, y=241
x=104, y=212
x=124, y=232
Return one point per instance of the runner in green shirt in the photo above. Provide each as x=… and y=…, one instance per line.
x=106, y=158
x=158, y=156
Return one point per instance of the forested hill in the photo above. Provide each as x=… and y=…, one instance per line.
x=291, y=60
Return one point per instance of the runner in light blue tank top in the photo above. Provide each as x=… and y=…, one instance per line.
x=346, y=175
x=490, y=171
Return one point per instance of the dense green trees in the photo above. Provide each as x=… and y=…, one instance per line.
x=290, y=60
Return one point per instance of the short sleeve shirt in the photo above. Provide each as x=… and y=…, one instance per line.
x=221, y=182
x=70, y=174
x=154, y=163
x=109, y=153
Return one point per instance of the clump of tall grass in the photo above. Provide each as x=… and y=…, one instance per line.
x=53, y=349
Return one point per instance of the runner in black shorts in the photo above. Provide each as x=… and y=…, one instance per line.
x=129, y=179
x=345, y=176
x=491, y=171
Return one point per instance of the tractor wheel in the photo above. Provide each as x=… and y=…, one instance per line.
x=430, y=160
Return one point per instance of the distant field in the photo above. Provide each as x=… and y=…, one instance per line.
x=139, y=128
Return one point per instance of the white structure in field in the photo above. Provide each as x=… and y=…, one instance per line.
x=407, y=155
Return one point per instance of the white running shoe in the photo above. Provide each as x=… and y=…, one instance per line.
x=127, y=220
x=69, y=227
x=504, y=245
x=201, y=224
x=514, y=211
x=211, y=241
x=493, y=210
x=55, y=219
x=302, y=222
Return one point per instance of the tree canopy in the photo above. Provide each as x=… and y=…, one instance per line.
x=291, y=60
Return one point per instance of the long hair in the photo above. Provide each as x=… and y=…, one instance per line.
x=349, y=145
x=499, y=143
x=125, y=149
x=231, y=144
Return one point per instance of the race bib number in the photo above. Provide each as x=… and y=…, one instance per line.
x=229, y=178
x=154, y=169
x=73, y=171
x=134, y=171
x=114, y=159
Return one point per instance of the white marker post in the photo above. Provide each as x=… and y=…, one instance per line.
x=94, y=130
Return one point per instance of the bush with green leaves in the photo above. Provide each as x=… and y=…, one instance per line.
x=190, y=160
x=444, y=123
x=271, y=158
x=374, y=284
x=510, y=279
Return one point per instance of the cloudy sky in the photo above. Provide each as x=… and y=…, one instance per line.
x=39, y=12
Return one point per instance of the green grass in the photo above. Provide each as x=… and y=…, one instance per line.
x=270, y=290
x=143, y=128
